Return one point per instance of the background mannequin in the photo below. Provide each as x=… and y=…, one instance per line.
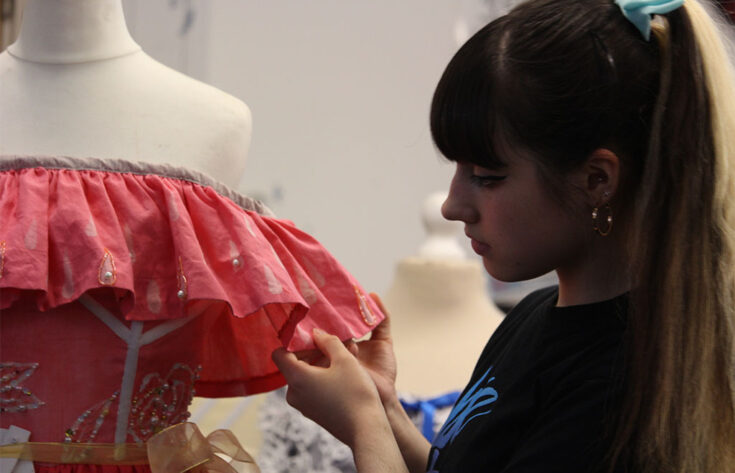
x=432, y=293
x=76, y=84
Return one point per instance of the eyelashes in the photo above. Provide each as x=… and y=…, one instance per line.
x=486, y=180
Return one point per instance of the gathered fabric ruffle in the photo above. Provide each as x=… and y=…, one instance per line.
x=166, y=243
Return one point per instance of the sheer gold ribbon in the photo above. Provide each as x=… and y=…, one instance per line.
x=182, y=447
x=178, y=449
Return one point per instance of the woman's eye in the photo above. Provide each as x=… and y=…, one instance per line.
x=484, y=177
x=485, y=180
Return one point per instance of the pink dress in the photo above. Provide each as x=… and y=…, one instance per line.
x=126, y=288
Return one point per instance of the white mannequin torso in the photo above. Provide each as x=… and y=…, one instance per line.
x=76, y=84
x=441, y=320
x=441, y=313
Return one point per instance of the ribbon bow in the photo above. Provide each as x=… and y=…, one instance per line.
x=182, y=448
x=428, y=408
x=178, y=449
x=640, y=12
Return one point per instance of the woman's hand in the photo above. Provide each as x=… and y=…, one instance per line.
x=343, y=399
x=376, y=355
x=337, y=393
x=349, y=389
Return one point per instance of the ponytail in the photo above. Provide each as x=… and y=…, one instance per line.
x=678, y=412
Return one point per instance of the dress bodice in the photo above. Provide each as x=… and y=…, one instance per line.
x=125, y=288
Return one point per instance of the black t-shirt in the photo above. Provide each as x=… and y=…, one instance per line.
x=541, y=392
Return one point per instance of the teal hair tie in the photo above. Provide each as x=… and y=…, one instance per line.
x=640, y=12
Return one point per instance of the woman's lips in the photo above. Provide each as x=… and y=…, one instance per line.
x=479, y=248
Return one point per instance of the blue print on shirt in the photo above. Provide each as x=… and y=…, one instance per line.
x=474, y=403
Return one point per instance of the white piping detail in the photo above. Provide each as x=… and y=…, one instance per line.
x=134, y=338
x=128, y=382
x=164, y=329
x=105, y=316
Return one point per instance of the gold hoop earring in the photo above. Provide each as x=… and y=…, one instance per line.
x=609, y=219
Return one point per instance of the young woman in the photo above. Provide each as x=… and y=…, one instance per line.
x=596, y=139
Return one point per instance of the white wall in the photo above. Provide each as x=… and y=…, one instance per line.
x=340, y=93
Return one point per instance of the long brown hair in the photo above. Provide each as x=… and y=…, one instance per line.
x=562, y=78
x=680, y=407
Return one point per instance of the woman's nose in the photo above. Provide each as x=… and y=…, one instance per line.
x=457, y=206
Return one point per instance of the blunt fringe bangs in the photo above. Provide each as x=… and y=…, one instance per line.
x=547, y=79
x=463, y=126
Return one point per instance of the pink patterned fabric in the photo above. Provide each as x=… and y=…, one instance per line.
x=95, y=253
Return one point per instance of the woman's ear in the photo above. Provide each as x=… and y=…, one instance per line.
x=598, y=176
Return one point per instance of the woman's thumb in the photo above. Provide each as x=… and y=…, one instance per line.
x=286, y=362
x=330, y=345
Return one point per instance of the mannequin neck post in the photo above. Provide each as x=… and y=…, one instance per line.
x=72, y=31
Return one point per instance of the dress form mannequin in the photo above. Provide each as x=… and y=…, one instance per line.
x=76, y=84
x=128, y=280
x=441, y=313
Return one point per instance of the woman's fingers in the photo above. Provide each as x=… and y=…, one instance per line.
x=299, y=375
x=330, y=345
x=287, y=362
x=352, y=347
x=382, y=331
x=311, y=356
x=329, y=395
x=376, y=298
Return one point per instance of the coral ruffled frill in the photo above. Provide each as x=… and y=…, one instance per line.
x=166, y=243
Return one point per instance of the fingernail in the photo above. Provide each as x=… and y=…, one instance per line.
x=319, y=331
